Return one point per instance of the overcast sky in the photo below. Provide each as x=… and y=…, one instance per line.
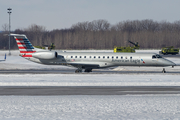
x=59, y=14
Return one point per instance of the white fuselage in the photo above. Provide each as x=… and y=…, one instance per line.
x=105, y=59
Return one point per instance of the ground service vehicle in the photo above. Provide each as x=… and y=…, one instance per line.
x=169, y=50
x=49, y=47
x=127, y=49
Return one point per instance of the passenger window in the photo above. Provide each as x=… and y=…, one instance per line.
x=71, y=56
x=153, y=57
x=112, y=56
x=84, y=56
x=130, y=57
x=94, y=56
x=103, y=56
x=116, y=57
x=89, y=56
x=99, y=57
x=121, y=57
x=75, y=56
x=79, y=56
x=108, y=57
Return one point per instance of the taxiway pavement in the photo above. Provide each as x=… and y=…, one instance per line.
x=87, y=90
x=72, y=71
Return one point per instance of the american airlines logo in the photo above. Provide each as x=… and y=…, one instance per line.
x=142, y=60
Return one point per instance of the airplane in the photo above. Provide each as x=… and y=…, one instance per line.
x=4, y=58
x=88, y=60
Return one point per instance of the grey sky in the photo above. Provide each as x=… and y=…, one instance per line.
x=58, y=14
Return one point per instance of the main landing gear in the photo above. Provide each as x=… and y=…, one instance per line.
x=79, y=70
x=88, y=70
x=163, y=71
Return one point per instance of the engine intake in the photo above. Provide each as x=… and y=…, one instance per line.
x=45, y=55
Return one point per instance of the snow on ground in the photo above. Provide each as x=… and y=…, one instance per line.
x=89, y=80
x=80, y=107
x=17, y=62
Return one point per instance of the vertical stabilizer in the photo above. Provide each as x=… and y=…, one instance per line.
x=25, y=47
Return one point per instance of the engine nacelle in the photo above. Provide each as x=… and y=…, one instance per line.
x=45, y=55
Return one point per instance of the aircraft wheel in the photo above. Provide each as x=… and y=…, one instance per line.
x=163, y=71
x=78, y=71
x=88, y=70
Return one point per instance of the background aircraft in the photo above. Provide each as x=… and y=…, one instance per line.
x=4, y=58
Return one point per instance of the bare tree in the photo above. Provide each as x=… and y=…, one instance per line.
x=36, y=33
x=100, y=34
x=5, y=27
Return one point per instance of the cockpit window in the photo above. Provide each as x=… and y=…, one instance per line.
x=153, y=57
x=158, y=56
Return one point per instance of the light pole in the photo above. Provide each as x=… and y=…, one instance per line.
x=9, y=11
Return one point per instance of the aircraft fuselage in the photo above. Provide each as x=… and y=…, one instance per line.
x=105, y=59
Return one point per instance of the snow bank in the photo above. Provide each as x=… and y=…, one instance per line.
x=90, y=107
x=89, y=80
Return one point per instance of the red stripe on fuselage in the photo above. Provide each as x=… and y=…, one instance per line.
x=27, y=51
x=26, y=55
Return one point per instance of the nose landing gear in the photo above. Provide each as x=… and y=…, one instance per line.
x=79, y=70
x=163, y=71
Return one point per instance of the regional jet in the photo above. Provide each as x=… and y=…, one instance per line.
x=88, y=60
x=4, y=58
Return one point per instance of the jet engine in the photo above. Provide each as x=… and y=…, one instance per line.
x=45, y=55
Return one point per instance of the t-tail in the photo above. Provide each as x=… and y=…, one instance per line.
x=25, y=47
x=27, y=50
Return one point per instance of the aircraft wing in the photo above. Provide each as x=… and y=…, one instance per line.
x=84, y=65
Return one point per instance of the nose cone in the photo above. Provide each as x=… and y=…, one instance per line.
x=168, y=63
